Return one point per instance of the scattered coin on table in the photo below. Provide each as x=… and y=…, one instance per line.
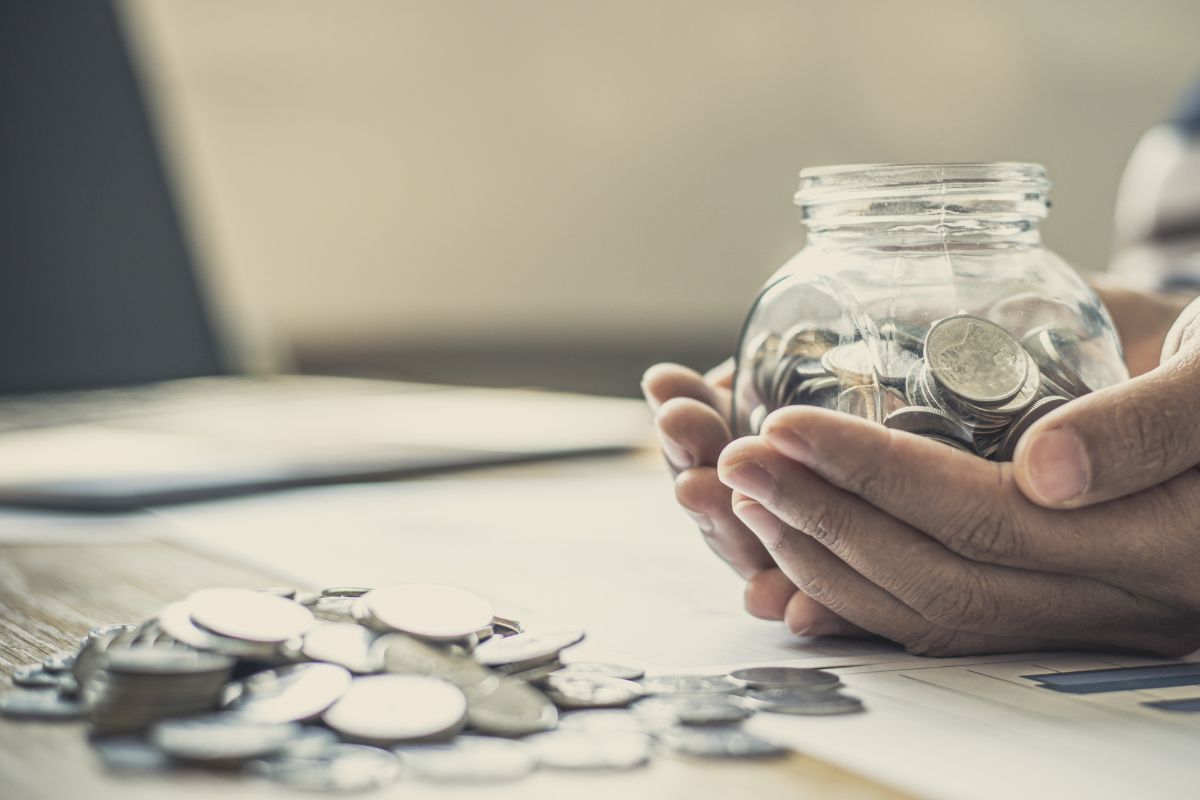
x=314, y=689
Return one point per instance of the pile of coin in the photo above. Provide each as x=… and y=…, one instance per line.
x=965, y=382
x=350, y=688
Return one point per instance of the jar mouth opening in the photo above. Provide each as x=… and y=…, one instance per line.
x=834, y=194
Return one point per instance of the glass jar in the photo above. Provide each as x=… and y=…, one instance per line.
x=924, y=300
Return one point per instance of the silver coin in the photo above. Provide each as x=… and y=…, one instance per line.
x=220, y=738
x=429, y=610
x=130, y=754
x=592, y=691
x=469, y=759
x=347, y=644
x=59, y=662
x=162, y=660
x=720, y=742
x=860, y=401
x=396, y=708
x=404, y=655
x=692, y=684
x=341, y=768
x=527, y=648
x=502, y=626
x=177, y=622
x=1025, y=395
x=535, y=674
x=604, y=719
x=605, y=669
x=804, y=342
x=614, y=750
x=806, y=702
x=1041, y=408
x=345, y=591
x=288, y=694
x=975, y=359
x=248, y=615
x=40, y=704
x=1052, y=350
x=509, y=707
x=35, y=676
x=668, y=710
x=773, y=677
x=927, y=421
x=852, y=362
x=311, y=742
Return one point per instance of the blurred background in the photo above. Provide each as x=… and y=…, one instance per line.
x=561, y=193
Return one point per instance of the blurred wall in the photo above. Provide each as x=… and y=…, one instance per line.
x=384, y=174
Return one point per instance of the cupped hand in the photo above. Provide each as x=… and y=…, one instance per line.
x=690, y=418
x=942, y=552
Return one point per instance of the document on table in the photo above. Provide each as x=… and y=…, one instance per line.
x=608, y=551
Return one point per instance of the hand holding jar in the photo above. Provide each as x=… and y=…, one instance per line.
x=906, y=537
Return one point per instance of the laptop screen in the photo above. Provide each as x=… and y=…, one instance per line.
x=97, y=287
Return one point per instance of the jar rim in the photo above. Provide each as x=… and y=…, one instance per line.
x=819, y=184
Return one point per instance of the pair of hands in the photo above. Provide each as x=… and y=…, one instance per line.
x=1089, y=539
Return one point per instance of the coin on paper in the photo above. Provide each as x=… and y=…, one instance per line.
x=429, y=610
x=248, y=615
x=591, y=691
x=674, y=684
x=771, y=677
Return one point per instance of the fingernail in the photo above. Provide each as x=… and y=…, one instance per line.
x=757, y=518
x=677, y=454
x=790, y=443
x=650, y=399
x=1057, y=465
x=749, y=477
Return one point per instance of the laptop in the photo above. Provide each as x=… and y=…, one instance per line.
x=130, y=375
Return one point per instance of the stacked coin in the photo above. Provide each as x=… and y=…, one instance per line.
x=965, y=382
x=348, y=688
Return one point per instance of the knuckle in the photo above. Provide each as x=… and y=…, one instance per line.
x=978, y=532
x=869, y=478
x=824, y=522
x=816, y=586
x=963, y=605
x=1146, y=432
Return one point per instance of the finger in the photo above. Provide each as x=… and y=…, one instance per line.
x=720, y=376
x=699, y=491
x=944, y=588
x=1116, y=441
x=691, y=433
x=827, y=579
x=970, y=505
x=804, y=616
x=767, y=594
x=663, y=381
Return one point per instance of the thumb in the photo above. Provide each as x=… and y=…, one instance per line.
x=1119, y=440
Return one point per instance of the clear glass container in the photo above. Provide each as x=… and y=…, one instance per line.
x=924, y=300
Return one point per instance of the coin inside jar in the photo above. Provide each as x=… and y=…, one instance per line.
x=975, y=359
